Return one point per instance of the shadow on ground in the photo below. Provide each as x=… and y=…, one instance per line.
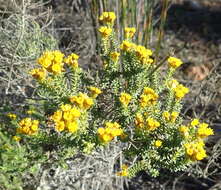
x=195, y=19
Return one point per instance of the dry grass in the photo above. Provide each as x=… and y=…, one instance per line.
x=22, y=41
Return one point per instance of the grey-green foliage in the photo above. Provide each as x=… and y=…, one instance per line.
x=22, y=40
x=22, y=37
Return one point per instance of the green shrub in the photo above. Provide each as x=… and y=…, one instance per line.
x=128, y=101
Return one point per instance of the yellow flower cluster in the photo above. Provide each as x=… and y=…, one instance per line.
x=66, y=118
x=172, y=84
x=52, y=61
x=170, y=117
x=107, y=17
x=82, y=101
x=12, y=116
x=149, y=124
x=129, y=32
x=94, y=91
x=158, y=143
x=174, y=62
x=139, y=120
x=110, y=131
x=184, y=130
x=124, y=171
x=204, y=131
x=180, y=91
x=72, y=60
x=195, y=132
x=28, y=126
x=194, y=122
x=39, y=73
x=114, y=56
x=143, y=54
x=195, y=150
x=149, y=97
x=127, y=46
x=105, y=31
x=152, y=124
x=125, y=98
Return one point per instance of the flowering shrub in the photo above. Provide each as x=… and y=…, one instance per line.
x=129, y=100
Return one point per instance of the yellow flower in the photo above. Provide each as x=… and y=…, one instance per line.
x=28, y=126
x=82, y=101
x=101, y=131
x=203, y=125
x=60, y=126
x=12, y=116
x=94, y=91
x=38, y=74
x=139, y=121
x=125, y=98
x=114, y=56
x=157, y=143
x=57, y=116
x=166, y=115
x=146, y=61
x=107, y=17
x=152, y=124
x=16, y=138
x=66, y=107
x=106, y=137
x=46, y=59
x=35, y=122
x=184, y=130
x=110, y=131
x=127, y=46
x=174, y=116
x=195, y=150
x=72, y=60
x=88, y=102
x=129, y=32
x=67, y=116
x=56, y=68
x=180, y=91
x=52, y=61
x=194, y=122
x=172, y=84
x=58, y=57
x=105, y=31
x=124, y=172
x=75, y=113
x=70, y=113
x=72, y=127
x=34, y=128
x=149, y=97
x=148, y=91
x=174, y=62
x=204, y=131
x=25, y=122
x=142, y=52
